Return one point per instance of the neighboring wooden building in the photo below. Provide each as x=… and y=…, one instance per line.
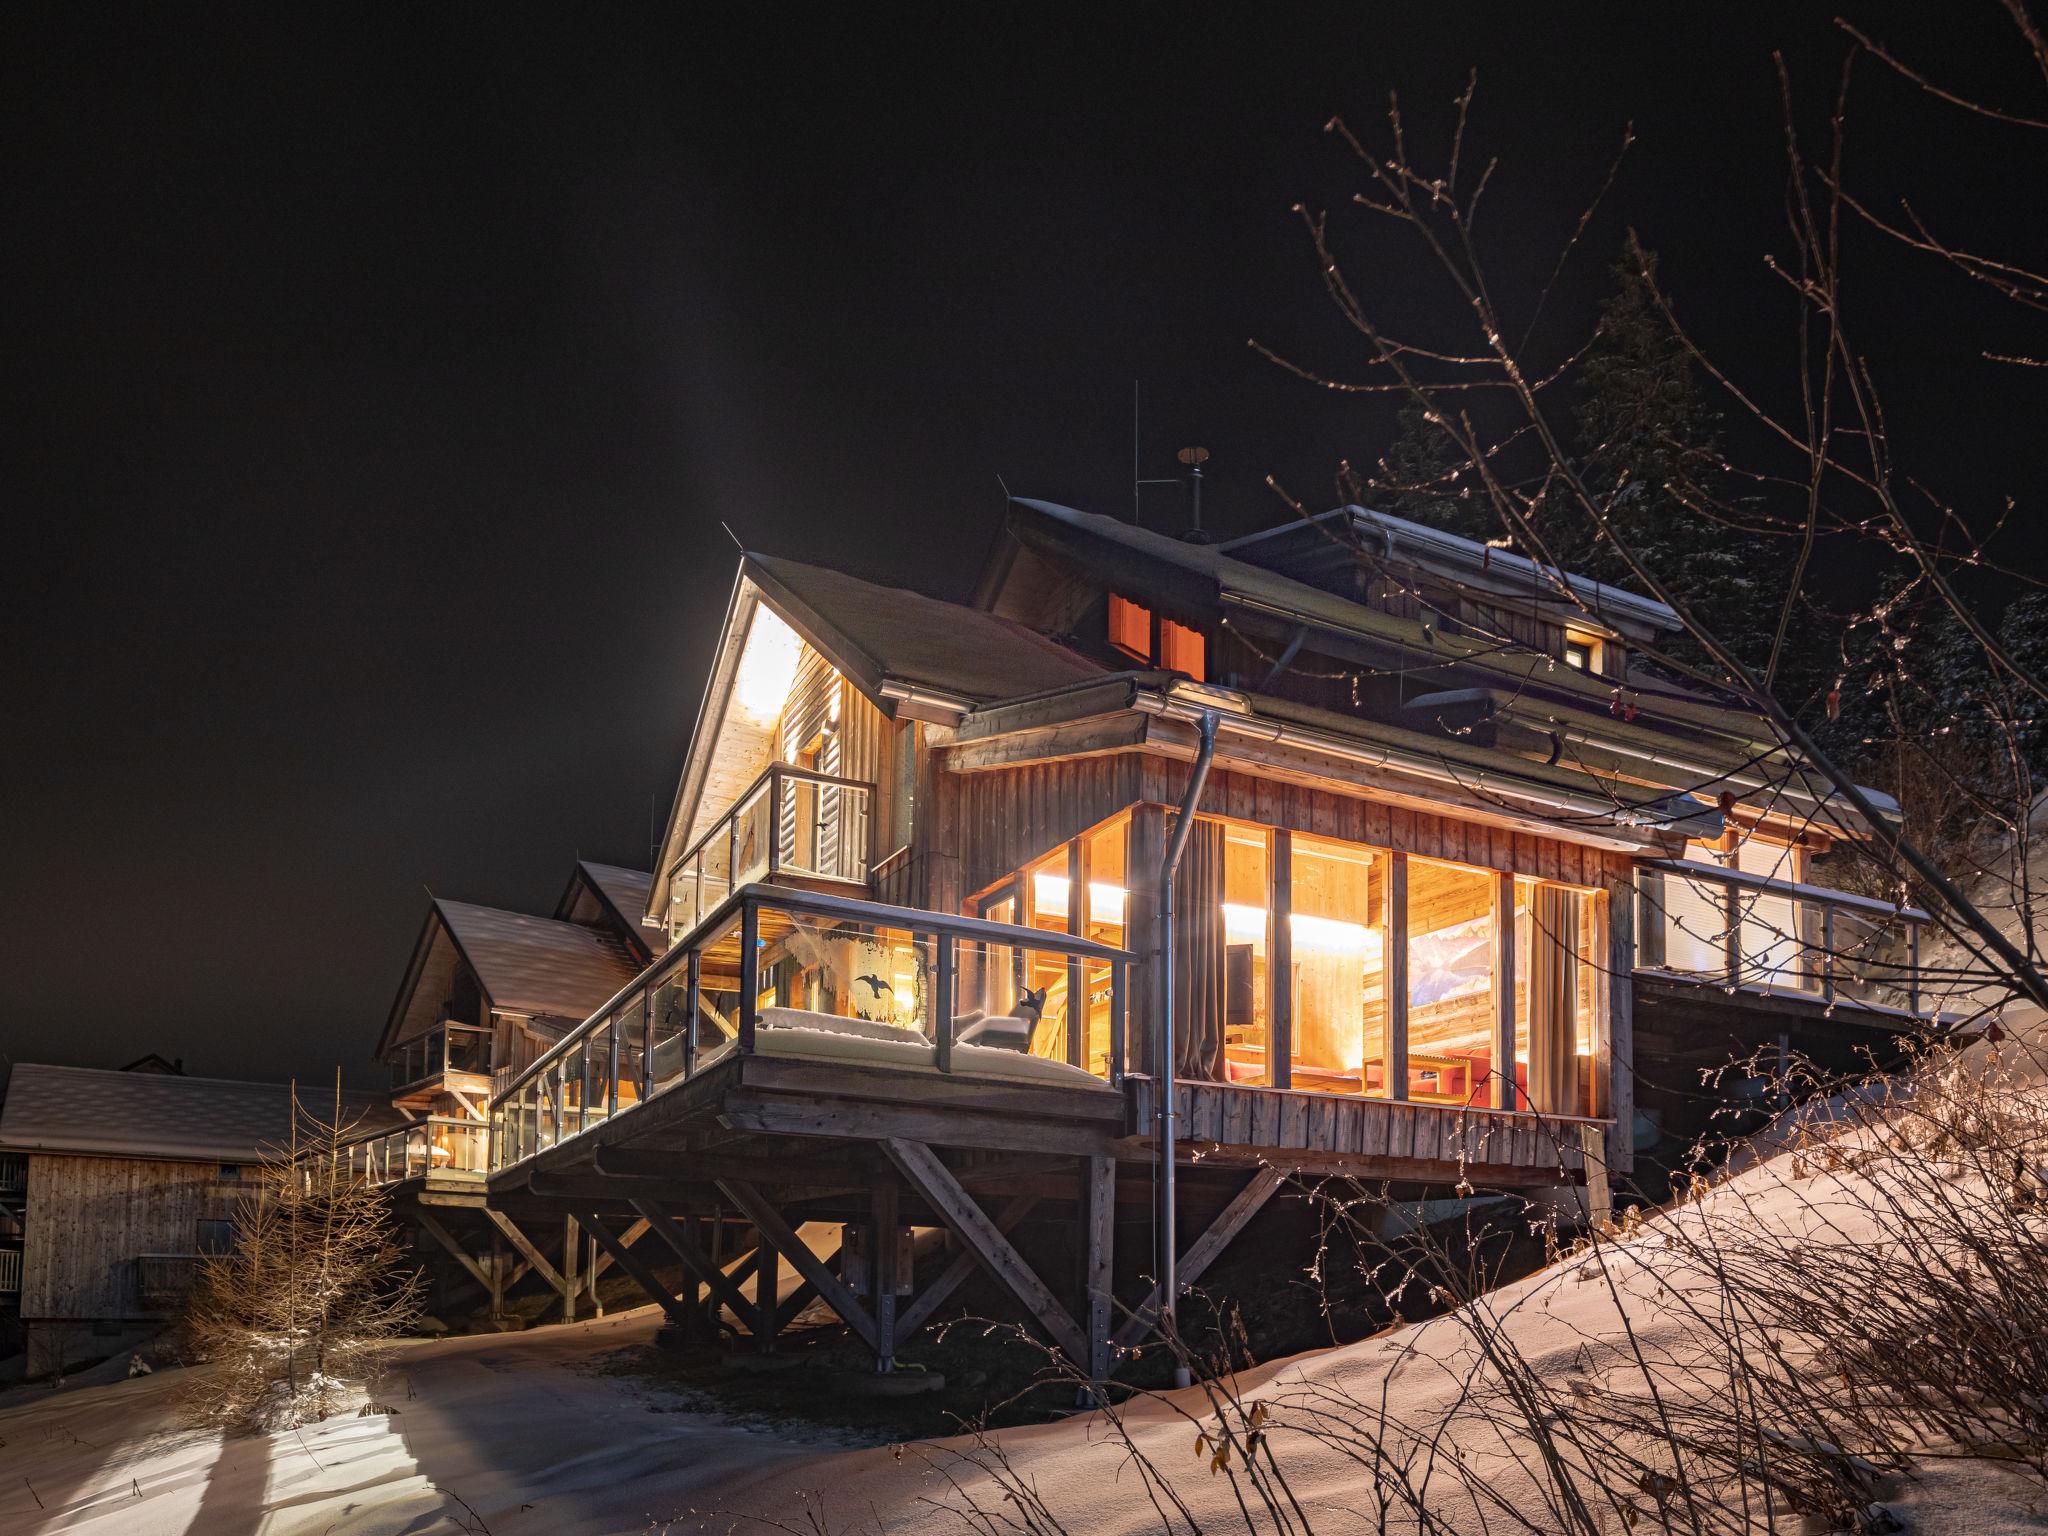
x=1466, y=878
x=124, y=1178
x=485, y=993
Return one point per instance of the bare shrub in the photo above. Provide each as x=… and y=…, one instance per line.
x=299, y=1316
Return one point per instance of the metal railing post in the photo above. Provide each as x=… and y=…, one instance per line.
x=1117, y=1028
x=942, y=1001
x=1827, y=952
x=693, y=970
x=750, y=987
x=1731, y=941
x=1913, y=969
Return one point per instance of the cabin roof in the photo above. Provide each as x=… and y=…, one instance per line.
x=623, y=893
x=879, y=632
x=537, y=965
x=1307, y=549
x=94, y=1112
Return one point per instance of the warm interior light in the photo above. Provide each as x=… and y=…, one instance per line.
x=1247, y=925
x=767, y=669
x=1049, y=897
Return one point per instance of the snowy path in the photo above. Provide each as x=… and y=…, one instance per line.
x=519, y=1426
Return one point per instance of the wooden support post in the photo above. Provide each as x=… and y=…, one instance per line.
x=670, y=1231
x=1098, y=1276
x=572, y=1250
x=767, y=1289
x=1077, y=976
x=954, y=1275
x=778, y=1234
x=882, y=1270
x=1208, y=1247
x=1397, y=977
x=1280, y=968
x=616, y=1250
x=1505, y=961
x=1615, y=1053
x=935, y=1185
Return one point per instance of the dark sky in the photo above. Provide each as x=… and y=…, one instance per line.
x=375, y=384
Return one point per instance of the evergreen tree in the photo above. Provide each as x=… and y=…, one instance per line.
x=1650, y=449
x=1426, y=478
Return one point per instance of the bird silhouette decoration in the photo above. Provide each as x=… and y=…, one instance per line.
x=881, y=987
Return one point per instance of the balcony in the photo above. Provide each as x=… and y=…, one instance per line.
x=856, y=985
x=791, y=825
x=439, y=1148
x=1753, y=934
x=10, y=1271
x=463, y=1048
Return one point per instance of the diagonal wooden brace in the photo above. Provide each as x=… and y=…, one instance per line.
x=670, y=1231
x=936, y=1186
x=630, y=1262
x=774, y=1230
x=1207, y=1248
x=954, y=1275
x=531, y=1254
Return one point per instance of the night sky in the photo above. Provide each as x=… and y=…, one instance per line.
x=375, y=386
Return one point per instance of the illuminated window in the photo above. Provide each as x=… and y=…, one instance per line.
x=1130, y=627
x=1141, y=635
x=1581, y=652
x=1182, y=650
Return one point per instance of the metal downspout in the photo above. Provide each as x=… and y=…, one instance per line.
x=1169, y=1237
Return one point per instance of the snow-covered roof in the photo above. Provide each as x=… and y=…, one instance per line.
x=89, y=1110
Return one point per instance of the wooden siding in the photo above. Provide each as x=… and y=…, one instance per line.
x=852, y=738
x=1340, y=1126
x=89, y=1217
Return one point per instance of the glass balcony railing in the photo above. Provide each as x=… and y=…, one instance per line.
x=770, y=970
x=791, y=823
x=436, y=1144
x=1752, y=933
x=446, y=1048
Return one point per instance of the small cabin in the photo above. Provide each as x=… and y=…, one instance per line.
x=121, y=1180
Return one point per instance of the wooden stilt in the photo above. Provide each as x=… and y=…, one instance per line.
x=572, y=1249
x=670, y=1231
x=521, y=1242
x=882, y=1269
x=1098, y=1202
x=767, y=1283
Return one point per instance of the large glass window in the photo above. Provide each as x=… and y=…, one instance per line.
x=1247, y=922
x=1337, y=898
x=1450, y=981
x=1556, y=1000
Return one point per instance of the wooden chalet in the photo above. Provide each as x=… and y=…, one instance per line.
x=1450, y=861
x=114, y=1184
x=486, y=993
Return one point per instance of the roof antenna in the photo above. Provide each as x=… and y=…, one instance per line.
x=1006, y=490
x=1195, y=458
x=736, y=544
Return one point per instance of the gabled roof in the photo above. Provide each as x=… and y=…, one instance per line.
x=622, y=896
x=537, y=965
x=86, y=1110
x=873, y=633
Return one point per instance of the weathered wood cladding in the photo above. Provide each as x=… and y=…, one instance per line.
x=1345, y=1127
x=851, y=736
x=89, y=1217
x=1010, y=816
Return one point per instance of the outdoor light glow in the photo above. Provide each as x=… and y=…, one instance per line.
x=1049, y=898
x=1247, y=925
x=767, y=668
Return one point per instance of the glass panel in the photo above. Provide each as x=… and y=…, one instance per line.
x=1338, y=936
x=841, y=983
x=1450, y=982
x=1044, y=983
x=598, y=1068
x=1102, y=858
x=1247, y=880
x=469, y=1050
x=751, y=846
x=1695, y=919
x=630, y=1023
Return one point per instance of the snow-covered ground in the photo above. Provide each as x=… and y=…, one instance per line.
x=520, y=1427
